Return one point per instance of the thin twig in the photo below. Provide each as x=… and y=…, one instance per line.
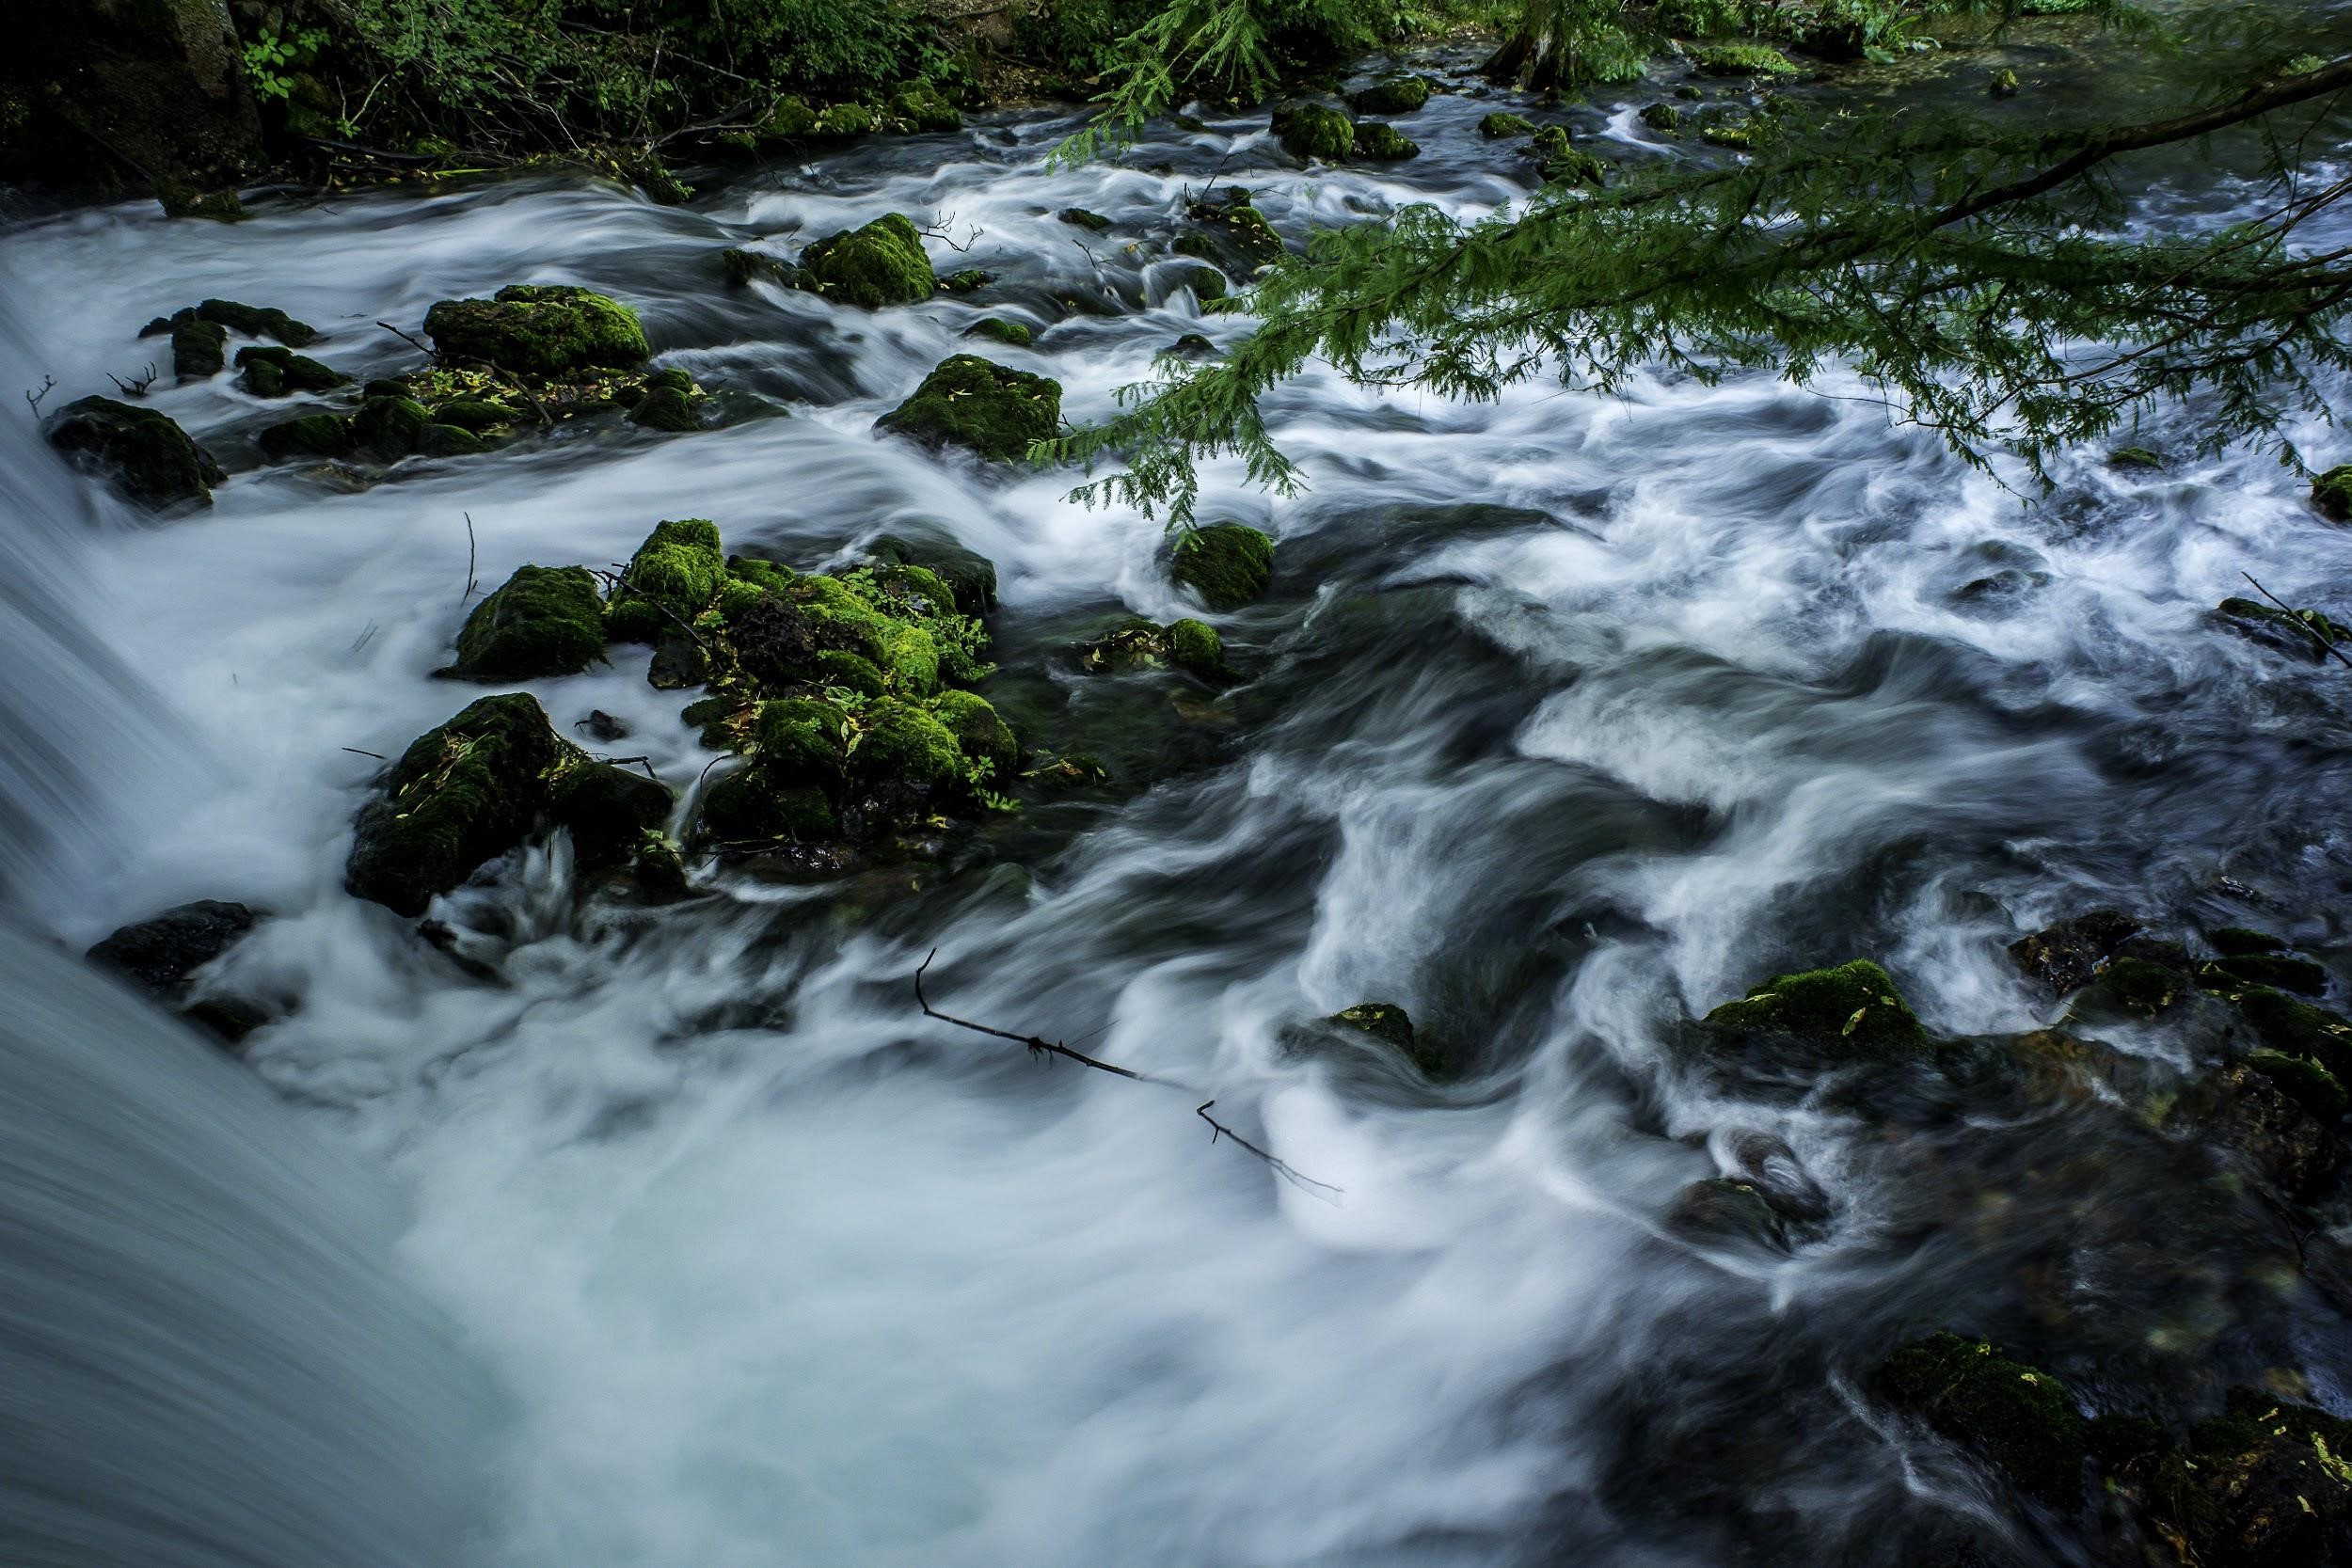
x=48, y=384
x=2297, y=616
x=409, y=341
x=136, y=387
x=1281, y=1168
x=469, y=576
x=377, y=755
x=618, y=762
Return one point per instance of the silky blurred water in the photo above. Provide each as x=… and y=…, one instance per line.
x=1568, y=714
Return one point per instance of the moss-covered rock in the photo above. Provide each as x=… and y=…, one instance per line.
x=1393, y=95
x=480, y=417
x=1743, y=60
x=671, y=581
x=985, y=408
x=1501, y=123
x=2300, y=633
x=198, y=349
x=1078, y=217
x=140, y=450
x=2136, y=457
x=543, y=330
x=1662, y=118
x=1853, y=1010
x=1225, y=563
x=2308, y=1082
x=471, y=790
x=2331, y=492
x=2021, y=1418
x=1390, y=1024
x=257, y=321
x=997, y=329
x=969, y=577
x=308, y=435
x=965, y=280
x=2065, y=956
x=1192, y=646
x=981, y=734
x=1227, y=228
x=2267, y=1108
x=920, y=106
x=1564, y=163
x=1379, y=141
x=544, y=621
x=270, y=371
x=743, y=268
x=2297, y=1028
x=1312, y=131
x=2263, y=1484
x=882, y=264
x=843, y=119
x=389, y=428
x=666, y=408
x=1192, y=345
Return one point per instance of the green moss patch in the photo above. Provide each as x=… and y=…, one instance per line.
x=1225, y=563
x=2331, y=492
x=1382, y=142
x=544, y=621
x=2021, y=1418
x=997, y=329
x=1851, y=1010
x=1192, y=646
x=1313, y=131
x=1500, y=124
x=270, y=371
x=1396, y=95
x=984, y=407
x=882, y=264
x=543, y=330
x=1743, y=60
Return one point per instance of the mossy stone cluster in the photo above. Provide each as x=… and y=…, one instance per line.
x=1394, y=95
x=251, y=321
x=880, y=264
x=1227, y=229
x=2021, y=1418
x=1380, y=142
x=2300, y=633
x=1851, y=1011
x=1191, y=646
x=543, y=621
x=476, y=786
x=997, y=329
x=1315, y=130
x=1564, y=163
x=1501, y=123
x=2331, y=492
x=1743, y=60
x=1228, y=564
x=539, y=329
x=982, y=407
x=271, y=372
x=142, y=451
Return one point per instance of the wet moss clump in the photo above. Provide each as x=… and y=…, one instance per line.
x=1192, y=646
x=276, y=373
x=141, y=451
x=1662, y=118
x=2021, y=1418
x=981, y=734
x=2297, y=1028
x=1078, y=217
x=541, y=329
x=309, y=435
x=1390, y=1024
x=2304, y=1081
x=669, y=400
x=984, y=407
x=1313, y=131
x=471, y=789
x=1853, y=1010
x=1564, y=164
x=1378, y=140
x=1743, y=60
x=997, y=329
x=2331, y=492
x=2263, y=1484
x=745, y=267
x=256, y=320
x=198, y=349
x=843, y=119
x=882, y=264
x=919, y=108
x=1225, y=563
x=1397, y=95
x=1499, y=124
x=544, y=621
x=2303, y=633
x=1228, y=229
x=672, y=579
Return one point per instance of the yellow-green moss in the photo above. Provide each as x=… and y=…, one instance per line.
x=985, y=408
x=2021, y=1418
x=539, y=329
x=1225, y=563
x=882, y=264
x=543, y=621
x=1851, y=1011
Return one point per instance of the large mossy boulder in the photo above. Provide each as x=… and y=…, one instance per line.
x=539, y=329
x=2021, y=1418
x=1225, y=563
x=2331, y=492
x=2262, y=1484
x=543, y=621
x=1852, y=1011
x=1382, y=142
x=470, y=790
x=1396, y=95
x=672, y=579
x=882, y=264
x=980, y=406
x=143, y=452
x=1314, y=130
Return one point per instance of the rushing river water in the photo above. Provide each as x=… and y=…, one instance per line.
x=1568, y=716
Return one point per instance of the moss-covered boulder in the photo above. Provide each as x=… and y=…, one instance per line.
x=2298, y=633
x=672, y=579
x=1662, y=118
x=1743, y=60
x=969, y=577
x=1565, y=164
x=882, y=264
x=1501, y=124
x=468, y=790
x=1192, y=646
x=1314, y=130
x=540, y=329
x=198, y=349
x=1393, y=95
x=669, y=400
x=842, y=120
x=2331, y=492
x=1382, y=142
x=1225, y=563
x=1227, y=229
x=979, y=405
x=543, y=621
x=997, y=329
x=2295, y=1027
x=270, y=371
x=141, y=451
x=307, y=435
x=1392, y=1027
x=2021, y=1418
x=256, y=320
x=390, y=428
x=1078, y=217
x=919, y=108
x=1853, y=1010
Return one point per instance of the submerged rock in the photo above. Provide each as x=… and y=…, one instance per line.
x=2064, y=956
x=746, y=267
x=982, y=406
x=1225, y=563
x=143, y=452
x=1388, y=1024
x=1078, y=217
x=543, y=621
x=1853, y=1010
x=882, y=264
x=546, y=329
x=2021, y=1418
x=161, y=953
x=2304, y=633
x=275, y=372
x=1500, y=124
x=2277, y=1111
x=1728, y=1209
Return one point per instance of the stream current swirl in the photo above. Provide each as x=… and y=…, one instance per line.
x=1567, y=717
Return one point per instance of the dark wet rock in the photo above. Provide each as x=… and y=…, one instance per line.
x=1767, y=1164
x=2259, y=1110
x=1313, y=131
x=982, y=406
x=602, y=726
x=542, y=329
x=2297, y=1028
x=198, y=349
x=2147, y=976
x=159, y=953
x=967, y=280
x=1193, y=345
x=1078, y=217
x=1395, y=95
x=2263, y=1484
x=2301, y=633
x=477, y=786
x=1662, y=118
x=1225, y=563
x=882, y=264
x=270, y=371
x=2020, y=1419
x=2282, y=971
x=1390, y=1024
x=252, y=321
x=543, y=621
x=143, y=452
x=308, y=435
x=2331, y=492
x=997, y=329
x=1853, y=1010
x=2304, y=1081
x=90, y=89
x=1227, y=229
x=2135, y=457
x=1723, y=1208
x=2064, y=956
x=1382, y=142
x=1500, y=124
x=969, y=575
x=670, y=402
x=1192, y=646
x=390, y=428
x=660, y=870
x=745, y=267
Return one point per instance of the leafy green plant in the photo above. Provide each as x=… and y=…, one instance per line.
x=271, y=60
